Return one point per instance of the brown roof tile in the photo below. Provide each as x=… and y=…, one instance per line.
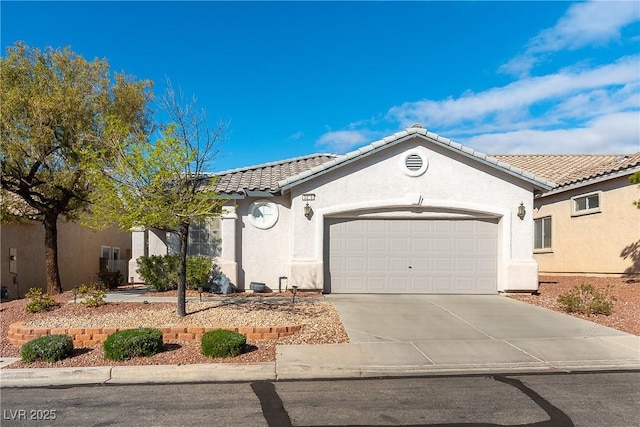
x=565, y=169
x=265, y=177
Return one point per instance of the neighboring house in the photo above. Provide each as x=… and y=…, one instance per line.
x=411, y=213
x=22, y=259
x=587, y=224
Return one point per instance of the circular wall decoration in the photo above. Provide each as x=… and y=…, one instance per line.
x=414, y=163
x=263, y=214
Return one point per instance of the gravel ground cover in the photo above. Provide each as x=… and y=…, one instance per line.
x=626, y=309
x=321, y=322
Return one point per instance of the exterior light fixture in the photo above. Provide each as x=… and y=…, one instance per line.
x=200, y=290
x=308, y=197
x=294, y=291
x=75, y=294
x=521, y=211
x=308, y=212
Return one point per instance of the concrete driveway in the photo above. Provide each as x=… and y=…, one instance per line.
x=442, y=333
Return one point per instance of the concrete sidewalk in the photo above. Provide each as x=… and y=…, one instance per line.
x=396, y=335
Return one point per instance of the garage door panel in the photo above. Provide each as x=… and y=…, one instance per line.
x=376, y=244
x=355, y=244
x=355, y=265
x=412, y=256
x=442, y=265
x=442, y=245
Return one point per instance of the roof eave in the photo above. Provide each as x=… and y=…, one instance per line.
x=592, y=180
x=538, y=183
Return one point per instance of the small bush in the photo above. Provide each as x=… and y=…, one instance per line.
x=587, y=300
x=111, y=279
x=93, y=296
x=161, y=272
x=39, y=302
x=222, y=343
x=49, y=348
x=199, y=271
x=130, y=343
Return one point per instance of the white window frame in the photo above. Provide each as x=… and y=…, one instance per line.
x=102, y=252
x=587, y=210
x=543, y=248
x=263, y=222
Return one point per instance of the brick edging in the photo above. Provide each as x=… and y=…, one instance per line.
x=87, y=337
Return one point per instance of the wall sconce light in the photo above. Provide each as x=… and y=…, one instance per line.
x=521, y=211
x=12, y=257
x=308, y=212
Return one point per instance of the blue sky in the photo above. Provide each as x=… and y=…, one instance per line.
x=294, y=78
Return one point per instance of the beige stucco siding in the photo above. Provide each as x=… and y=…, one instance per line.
x=605, y=242
x=79, y=251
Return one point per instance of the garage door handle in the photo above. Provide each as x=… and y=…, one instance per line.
x=410, y=267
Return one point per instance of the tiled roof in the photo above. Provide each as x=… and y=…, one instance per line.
x=543, y=170
x=572, y=168
x=265, y=177
x=539, y=181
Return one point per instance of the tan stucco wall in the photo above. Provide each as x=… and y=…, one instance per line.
x=79, y=251
x=599, y=243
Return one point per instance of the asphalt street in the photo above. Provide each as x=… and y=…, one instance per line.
x=541, y=400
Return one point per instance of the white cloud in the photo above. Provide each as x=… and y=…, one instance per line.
x=511, y=104
x=343, y=140
x=582, y=108
x=592, y=23
x=296, y=136
x=617, y=133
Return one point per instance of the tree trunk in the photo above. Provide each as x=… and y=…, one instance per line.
x=183, y=232
x=51, y=254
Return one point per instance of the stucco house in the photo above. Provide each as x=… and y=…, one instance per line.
x=80, y=250
x=411, y=213
x=587, y=224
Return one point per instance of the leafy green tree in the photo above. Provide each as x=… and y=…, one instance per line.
x=163, y=184
x=635, y=179
x=57, y=111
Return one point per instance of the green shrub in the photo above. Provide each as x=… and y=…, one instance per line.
x=222, y=343
x=161, y=272
x=199, y=270
x=39, y=302
x=587, y=300
x=93, y=296
x=130, y=343
x=48, y=348
x=111, y=279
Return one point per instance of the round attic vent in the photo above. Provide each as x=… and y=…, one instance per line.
x=414, y=163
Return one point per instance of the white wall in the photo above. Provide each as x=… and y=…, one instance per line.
x=452, y=185
x=263, y=255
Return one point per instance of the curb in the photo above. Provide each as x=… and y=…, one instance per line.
x=141, y=374
x=229, y=372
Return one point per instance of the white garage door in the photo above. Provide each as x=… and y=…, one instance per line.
x=412, y=256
